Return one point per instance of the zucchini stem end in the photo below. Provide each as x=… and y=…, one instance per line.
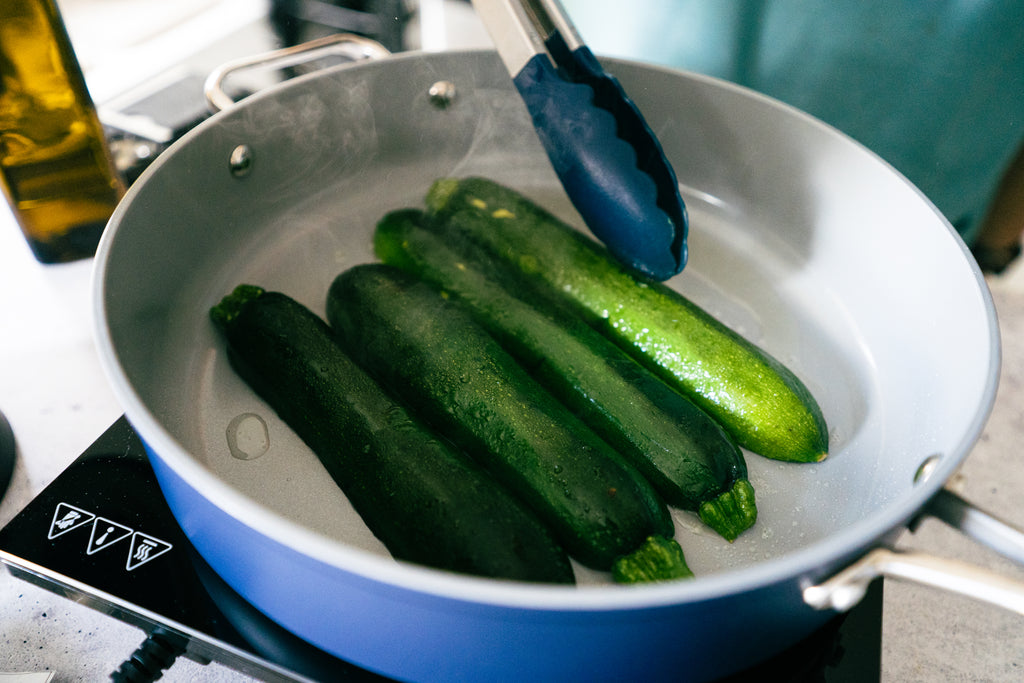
x=732, y=512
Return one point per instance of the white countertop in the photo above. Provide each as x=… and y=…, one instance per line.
x=58, y=401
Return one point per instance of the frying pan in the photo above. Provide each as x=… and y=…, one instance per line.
x=801, y=240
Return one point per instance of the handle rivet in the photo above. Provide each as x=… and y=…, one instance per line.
x=926, y=468
x=241, y=161
x=442, y=94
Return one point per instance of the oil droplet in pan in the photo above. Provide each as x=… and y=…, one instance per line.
x=248, y=437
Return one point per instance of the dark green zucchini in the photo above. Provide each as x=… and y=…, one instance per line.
x=424, y=347
x=426, y=502
x=688, y=457
x=759, y=401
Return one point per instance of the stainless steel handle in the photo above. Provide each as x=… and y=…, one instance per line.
x=346, y=45
x=977, y=524
x=519, y=28
x=845, y=589
x=513, y=31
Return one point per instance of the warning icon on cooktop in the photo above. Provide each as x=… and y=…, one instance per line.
x=145, y=548
x=106, y=533
x=67, y=517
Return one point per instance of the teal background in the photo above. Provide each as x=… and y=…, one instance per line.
x=936, y=88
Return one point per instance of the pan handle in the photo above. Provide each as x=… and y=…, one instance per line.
x=346, y=45
x=977, y=524
x=845, y=589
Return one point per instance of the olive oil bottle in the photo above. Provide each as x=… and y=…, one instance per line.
x=56, y=171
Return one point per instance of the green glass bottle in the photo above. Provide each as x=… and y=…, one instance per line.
x=56, y=170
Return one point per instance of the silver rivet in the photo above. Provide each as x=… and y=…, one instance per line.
x=241, y=161
x=442, y=94
x=926, y=468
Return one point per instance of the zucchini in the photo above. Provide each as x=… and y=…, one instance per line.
x=760, y=402
x=684, y=453
x=658, y=559
x=426, y=502
x=424, y=347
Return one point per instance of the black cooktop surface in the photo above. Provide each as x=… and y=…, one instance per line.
x=103, y=535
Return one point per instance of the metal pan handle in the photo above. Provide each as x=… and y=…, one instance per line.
x=845, y=589
x=346, y=45
x=977, y=524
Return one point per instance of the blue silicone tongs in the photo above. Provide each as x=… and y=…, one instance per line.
x=608, y=159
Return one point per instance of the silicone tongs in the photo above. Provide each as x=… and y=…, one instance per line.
x=608, y=160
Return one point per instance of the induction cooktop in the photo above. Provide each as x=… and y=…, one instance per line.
x=102, y=534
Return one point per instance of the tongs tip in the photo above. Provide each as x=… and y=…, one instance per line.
x=652, y=244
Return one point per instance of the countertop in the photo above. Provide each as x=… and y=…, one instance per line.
x=56, y=397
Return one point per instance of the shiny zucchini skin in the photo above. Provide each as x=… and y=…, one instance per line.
x=688, y=457
x=425, y=347
x=427, y=502
x=759, y=401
